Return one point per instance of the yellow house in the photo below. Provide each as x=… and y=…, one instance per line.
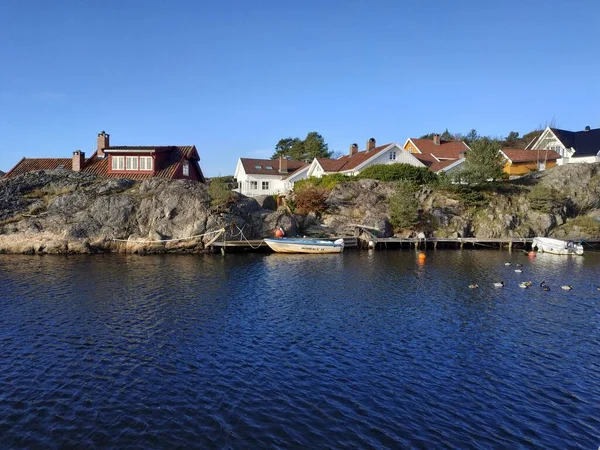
x=522, y=162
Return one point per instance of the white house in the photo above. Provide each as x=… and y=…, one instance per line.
x=268, y=176
x=438, y=155
x=572, y=146
x=356, y=161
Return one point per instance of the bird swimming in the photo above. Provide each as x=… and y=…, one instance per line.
x=566, y=287
x=499, y=284
x=523, y=285
x=507, y=264
x=518, y=271
x=519, y=265
x=473, y=286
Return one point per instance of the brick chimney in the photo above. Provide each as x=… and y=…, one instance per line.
x=370, y=144
x=78, y=161
x=103, y=142
x=353, y=149
x=436, y=139
x=283, y=165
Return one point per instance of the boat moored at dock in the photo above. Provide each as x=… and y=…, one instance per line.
x=305, y=245
x=556, y=246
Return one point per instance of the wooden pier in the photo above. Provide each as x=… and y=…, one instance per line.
x=434, y=243
x=369, y=241
x=260, y=245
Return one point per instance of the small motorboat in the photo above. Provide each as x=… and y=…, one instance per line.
x=556, y=246
x=305, y=245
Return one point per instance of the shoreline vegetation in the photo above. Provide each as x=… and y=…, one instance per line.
x=63, y=212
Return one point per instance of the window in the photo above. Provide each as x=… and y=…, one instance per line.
x=269, y=167
x=392, y=156
x=131, y=162
x=258, y=167
x=145, y=162
x=265, y=185
x=254, y=185
x=186, y=168
x=118, y=162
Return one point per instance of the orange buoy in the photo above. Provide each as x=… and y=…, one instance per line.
x=422, y=257
x=279, y=232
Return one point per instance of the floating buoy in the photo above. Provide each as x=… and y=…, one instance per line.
x=422, y=256
x=531, y=254
x=279, y=232
x=371, y=244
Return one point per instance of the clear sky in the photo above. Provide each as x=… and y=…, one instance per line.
x=233, y=77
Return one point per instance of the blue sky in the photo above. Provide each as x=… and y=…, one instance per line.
x=233, y=77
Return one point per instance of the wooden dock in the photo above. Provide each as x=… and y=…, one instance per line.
x=260, y=245
x=366, y=242
x=424, y=243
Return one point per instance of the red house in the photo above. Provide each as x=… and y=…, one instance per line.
x=134, y=162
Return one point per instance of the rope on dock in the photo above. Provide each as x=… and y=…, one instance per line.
x=222, y=230
x=247, y=241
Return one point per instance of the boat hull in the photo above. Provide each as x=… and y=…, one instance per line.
x=556, y=246
x=315, y=246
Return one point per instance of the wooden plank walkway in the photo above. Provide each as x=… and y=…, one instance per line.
x=374, y=242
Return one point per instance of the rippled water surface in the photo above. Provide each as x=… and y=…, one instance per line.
x=363, y=350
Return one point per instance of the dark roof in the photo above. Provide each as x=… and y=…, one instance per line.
x=259, y=166
x=585, y=143
x=517, y=156
x=32, y=164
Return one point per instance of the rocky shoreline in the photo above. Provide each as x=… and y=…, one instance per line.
x=63, y=212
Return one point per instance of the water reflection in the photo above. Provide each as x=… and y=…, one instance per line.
x=266, y=350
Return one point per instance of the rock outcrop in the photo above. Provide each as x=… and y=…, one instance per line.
x=69, y=212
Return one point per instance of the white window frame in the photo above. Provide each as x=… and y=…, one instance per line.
x=145, y=162
x=254, y=185
x=131, y=163
x=265, y=185
x=117, y=162
x=186, y=168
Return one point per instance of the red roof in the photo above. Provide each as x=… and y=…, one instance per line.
x=32, y=164
x=269, y=166
x=446, y=149
x=518, y=156
x=99, y=166
x=349, y=162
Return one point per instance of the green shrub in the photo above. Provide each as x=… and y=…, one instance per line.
x=327, y=182
x=397, y=172
x=404, y=205
x=544, y=198
x=219, y=191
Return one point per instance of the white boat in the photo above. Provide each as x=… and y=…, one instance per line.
x=305, y=245
x=556, y=246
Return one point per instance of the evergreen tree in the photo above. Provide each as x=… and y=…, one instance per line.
x=313, y=146
x=483, y=162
